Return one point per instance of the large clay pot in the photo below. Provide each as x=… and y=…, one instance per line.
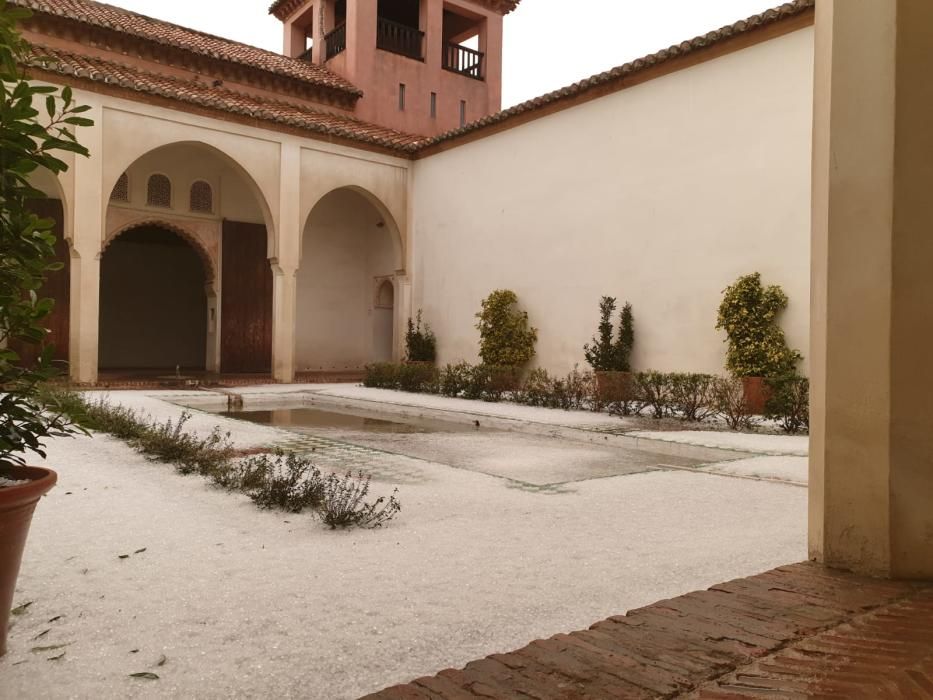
x=757, y=393
x=614, y=387
x=17, y=504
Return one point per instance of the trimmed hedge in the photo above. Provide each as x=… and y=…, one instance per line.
x=690, y=397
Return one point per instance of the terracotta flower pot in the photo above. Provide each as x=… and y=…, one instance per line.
x=757, y=393
x=16, y=506
x=612, y=387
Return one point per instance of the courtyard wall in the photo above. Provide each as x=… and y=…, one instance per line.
x=661, y=194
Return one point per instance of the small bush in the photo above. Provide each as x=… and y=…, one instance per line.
x=121, y=422
x=420, y=341
x=455, y=379
x=615, y=391
x=576, y=391
x=653, y=391
x=691, y=396
x=417, y=377
x=344, y=503
x=536, y=390
x=757, y=346
x=729, y=400
x=168, y=442
x=506, y=339
x=493, y=383
x=282, y=480
x=579, y=390
x=288, y=482
x=789, y=403
x=382, y=375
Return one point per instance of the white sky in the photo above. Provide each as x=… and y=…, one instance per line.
x=548, y=43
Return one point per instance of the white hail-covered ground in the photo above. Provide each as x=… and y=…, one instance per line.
x=236, y=602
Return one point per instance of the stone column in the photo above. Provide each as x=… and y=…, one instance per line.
x=871, y=464
x=285, y=265
x=403, y=312
x=89, y=203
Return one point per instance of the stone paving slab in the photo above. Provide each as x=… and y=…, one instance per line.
x=797, y=631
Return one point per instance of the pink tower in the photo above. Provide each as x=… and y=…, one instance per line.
x=424, y=66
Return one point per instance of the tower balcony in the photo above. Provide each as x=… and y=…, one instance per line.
x=335, y=41
x=465, y=61
x=399, y=38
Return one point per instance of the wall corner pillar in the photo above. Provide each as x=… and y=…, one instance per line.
x=871, y=454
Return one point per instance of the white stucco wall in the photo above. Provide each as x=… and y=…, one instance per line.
x=346, y=251
x=661, y=194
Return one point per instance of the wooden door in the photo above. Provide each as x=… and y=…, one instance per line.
x=246, y=300
x=57, y=286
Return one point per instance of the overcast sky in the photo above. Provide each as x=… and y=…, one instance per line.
x=548, y=43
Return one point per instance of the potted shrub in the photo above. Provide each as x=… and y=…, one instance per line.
x=610, y=356
x=757, y=347
x=506, y=338
x=28, y=141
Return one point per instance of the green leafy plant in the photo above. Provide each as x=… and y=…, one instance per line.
x=455, y=379
x=506, y=339
x=757, y=346
x=382, y=375
x=418, y=378
x=420, y=341
x=626, y=341
x=344, y=503
x=169, y=442
x=691, y=396
x=601, y=354
x=653, y=391
x=789, y=403
x=283, y=481
x=609, y=353
x=30, y=140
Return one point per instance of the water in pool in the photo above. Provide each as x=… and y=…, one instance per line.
x=318, y=420
x=530, y=459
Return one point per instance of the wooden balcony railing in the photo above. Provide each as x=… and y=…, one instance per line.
x=400, y=39
x=460, y=59
x=335, y=41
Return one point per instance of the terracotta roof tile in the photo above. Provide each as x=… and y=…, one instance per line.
x=621, y=73
x=120, y=20
x=204, y=94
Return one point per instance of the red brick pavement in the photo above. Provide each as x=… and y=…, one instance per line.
x=798, y=631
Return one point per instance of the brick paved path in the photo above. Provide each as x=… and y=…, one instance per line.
x=797, y=631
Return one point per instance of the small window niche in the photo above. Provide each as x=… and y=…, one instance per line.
x=159, y=191
x=202, y=198
x=121, y=190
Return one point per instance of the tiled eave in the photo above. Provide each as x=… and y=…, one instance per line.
x=97, y=24
x=762, y=27
x=203, y=97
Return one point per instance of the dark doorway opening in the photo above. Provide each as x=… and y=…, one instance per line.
x=153, y=302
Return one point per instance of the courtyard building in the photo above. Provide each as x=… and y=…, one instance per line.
x=250, y=212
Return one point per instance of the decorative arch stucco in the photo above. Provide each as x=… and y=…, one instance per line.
x=198, y=234
x=126, y=141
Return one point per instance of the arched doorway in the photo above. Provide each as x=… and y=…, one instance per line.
x=153, y=302
x=196, y=189
x=350, y=252
x=384, y=321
